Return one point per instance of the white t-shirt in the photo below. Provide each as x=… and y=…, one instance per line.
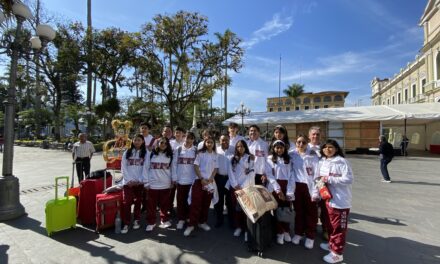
x=207, y=163
x=159, y=174
x=175, y=144
x=183, y=165
x=280, y=171
x=259, y=148
x=233, y=140
x=242, y=174
x=224, y=159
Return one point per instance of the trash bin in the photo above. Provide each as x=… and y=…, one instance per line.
x=45, y=144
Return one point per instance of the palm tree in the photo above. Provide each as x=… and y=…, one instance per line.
x=294, y=91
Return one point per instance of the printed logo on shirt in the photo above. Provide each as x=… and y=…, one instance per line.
x=259, y=153
x=309, y=171
x=159, y=166
x=334, y=174
x=136, y=162
x=183, y=160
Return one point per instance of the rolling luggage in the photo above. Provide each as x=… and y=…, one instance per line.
x=89, y=188
x=107, y=207
x=60, y=212
x=73, y=191
x=260, y=233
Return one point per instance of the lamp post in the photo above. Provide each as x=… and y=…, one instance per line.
x=10, y=206
x=242, y=111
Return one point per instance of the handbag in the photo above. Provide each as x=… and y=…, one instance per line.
x=285, y=214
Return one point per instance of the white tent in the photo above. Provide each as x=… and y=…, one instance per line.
x=414, y=113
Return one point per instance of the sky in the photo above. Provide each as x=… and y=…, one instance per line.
x=324, y=44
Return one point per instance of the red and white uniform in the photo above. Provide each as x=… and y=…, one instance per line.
x=338, y=174
x=259, y=148
x=280, y=171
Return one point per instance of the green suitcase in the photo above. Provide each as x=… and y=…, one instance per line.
x=60, y=212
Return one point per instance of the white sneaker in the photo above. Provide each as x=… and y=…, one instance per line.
x=280, y=239
x=324, y=246
x=165, y=224
x=180, y=224
x=150, y=228
x=136, y=225
x=333, y=258
x=309, y=243
x=287, y=237
x=245, y=236
x=188, y=230
x=205, y=226
x=296, y=239
x=124, y=229
x=237, y=232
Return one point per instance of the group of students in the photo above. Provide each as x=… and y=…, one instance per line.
x=155, y=172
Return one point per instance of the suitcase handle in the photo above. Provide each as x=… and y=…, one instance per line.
x=56, y=185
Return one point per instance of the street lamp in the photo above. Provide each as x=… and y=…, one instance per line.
x=242, y=111
x=10, y=206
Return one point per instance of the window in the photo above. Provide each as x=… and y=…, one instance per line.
x=325, y=106
x=393, y=100
x=296, y=108
x=423, y=85
x=338, y=98
x=317, y=99
x=271, y=104
x=414, y=90
x=399, y=98
x=287, y=108
x=306, y=107
x=406, y=95
x=288, y=102
x=279, y=109
x=388, y=102
x=306, y=100
x=298, y=100
x=327, y=98
x=271, y=109
x=316, y=106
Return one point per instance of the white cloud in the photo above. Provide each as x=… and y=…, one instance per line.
x=308, y=7
x=269, y=30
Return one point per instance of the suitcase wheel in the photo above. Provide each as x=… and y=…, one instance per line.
x=260, y=254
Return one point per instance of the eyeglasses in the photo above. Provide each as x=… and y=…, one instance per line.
x=301, y=142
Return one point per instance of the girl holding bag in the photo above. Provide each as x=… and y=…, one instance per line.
x=335, y=171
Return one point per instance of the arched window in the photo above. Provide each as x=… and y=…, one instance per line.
x=338, y=98
x=288, y=102
x=306, y=100
x=298, y=100
x=327, y=98
x=317, y=99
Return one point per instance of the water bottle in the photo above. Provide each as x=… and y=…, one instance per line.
x=118, y=223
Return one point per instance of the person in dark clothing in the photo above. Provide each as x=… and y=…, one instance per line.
x=386, y=152
x=404, y=146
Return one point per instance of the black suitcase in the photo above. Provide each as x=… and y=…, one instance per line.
x=260, y=234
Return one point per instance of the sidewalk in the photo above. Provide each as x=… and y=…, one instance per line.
x=389, y=223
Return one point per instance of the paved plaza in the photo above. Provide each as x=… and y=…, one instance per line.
x=396, y=222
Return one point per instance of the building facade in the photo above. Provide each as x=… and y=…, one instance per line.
x=306, y=101
x=419, y=80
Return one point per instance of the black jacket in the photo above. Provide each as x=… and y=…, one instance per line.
x=387, y=150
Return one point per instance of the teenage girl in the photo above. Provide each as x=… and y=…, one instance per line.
x=203, y=188
x=335, y=171
x=241, y=175
x=159, y=179
x=305, y=163
x=134, y=169
x=280, y=133
x=282, y=180
x=184, y=176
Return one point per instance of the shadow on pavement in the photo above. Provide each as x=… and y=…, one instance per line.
x=373, y=219
x=3, y=254
x=416, y=182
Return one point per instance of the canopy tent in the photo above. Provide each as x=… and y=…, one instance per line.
x=412, y=113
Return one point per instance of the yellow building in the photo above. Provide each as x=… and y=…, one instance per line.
x=306, y=101
x=419, y=80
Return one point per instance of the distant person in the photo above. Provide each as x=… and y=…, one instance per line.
x=404, y=146
x=315, y=139
x=233, y=134
x=82, y=153
x=148, y=138
x=2, y=141
x=205, y=134
x=386, y=153
x=179, y=138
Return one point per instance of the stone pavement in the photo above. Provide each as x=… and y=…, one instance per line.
x=389, y=223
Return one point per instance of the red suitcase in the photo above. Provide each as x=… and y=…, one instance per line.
x=89, y=188
x=107, y=207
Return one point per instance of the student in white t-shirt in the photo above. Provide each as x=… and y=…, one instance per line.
x=184, y=176
x=148, y=139
x=159, y=184
x=203, y=188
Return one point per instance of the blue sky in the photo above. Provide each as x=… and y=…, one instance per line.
x=324, y=44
